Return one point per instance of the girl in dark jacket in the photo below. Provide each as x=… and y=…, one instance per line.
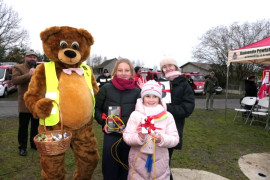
x=182, y=97
x=120, y=93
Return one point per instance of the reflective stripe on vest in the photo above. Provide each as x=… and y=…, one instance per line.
x=53, y=93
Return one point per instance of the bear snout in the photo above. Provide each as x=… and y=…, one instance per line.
x=70, y=54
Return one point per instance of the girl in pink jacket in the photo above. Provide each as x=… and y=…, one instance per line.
x=150, y=131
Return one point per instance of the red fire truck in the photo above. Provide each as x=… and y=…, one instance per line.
x=199, y=81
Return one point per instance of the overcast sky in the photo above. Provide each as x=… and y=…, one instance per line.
x=144, y=30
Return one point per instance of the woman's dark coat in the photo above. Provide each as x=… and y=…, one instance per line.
x=182, y=104
x=108, y=95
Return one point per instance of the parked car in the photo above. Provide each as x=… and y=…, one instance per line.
x=219, y=90
x=6, y=84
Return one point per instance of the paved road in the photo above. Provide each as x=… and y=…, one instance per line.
x=9, y=108
x=218, y=103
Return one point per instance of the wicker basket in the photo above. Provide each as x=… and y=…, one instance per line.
x=54, y=147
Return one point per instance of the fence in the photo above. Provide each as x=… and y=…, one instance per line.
x=236, y=89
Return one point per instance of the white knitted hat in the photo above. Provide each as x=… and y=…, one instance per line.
x=168, y=60
x=151, y=87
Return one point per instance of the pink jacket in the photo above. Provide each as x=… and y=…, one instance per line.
x=170, y=139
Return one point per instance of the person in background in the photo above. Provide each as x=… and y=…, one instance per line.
x=104, y=78
x=250, y=89
x=121, y=92
x=190, y=81
x=182, y=97
x=150, y=107
x=210, y=86
x=21, y=75
x=138, y=77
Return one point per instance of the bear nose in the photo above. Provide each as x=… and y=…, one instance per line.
x=70, y=54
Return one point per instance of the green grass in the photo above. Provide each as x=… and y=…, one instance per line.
x=210, y=143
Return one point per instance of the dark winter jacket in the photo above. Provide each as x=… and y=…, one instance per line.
x=101, y=80
x=210, y=85
x=108, y=95
x=183, y=104
x=250, y=88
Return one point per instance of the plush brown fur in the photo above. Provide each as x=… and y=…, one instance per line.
x=68, y=47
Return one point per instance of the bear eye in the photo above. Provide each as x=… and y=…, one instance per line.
x=75, y=45
x=63, y=44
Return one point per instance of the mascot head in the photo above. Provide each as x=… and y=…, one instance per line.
x=66, y=45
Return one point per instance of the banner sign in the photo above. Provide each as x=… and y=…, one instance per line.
x=254, y=55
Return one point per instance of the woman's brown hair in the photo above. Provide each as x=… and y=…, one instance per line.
x=123, y=60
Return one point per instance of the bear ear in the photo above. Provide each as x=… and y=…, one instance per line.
x=44, y=35
x=87, y=36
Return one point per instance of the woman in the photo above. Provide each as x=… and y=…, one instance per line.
x=182, y=101
x=121, y=93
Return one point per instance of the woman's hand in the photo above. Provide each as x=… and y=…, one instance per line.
x=106, y=129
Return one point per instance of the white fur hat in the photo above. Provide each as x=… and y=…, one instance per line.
x=151, y=87
x=168, y=60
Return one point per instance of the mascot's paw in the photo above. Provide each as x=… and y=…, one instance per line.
x=44, y=107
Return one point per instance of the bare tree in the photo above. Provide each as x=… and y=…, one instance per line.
x=155, y=68
x=217, y=42
x=137, y=63
x=11, y=34
x=133, y=63
x=96, y=60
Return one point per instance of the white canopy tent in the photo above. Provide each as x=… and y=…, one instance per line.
x=255, y=53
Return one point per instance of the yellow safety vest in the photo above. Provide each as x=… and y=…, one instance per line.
x=52, y=91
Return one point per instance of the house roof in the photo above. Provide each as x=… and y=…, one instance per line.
x=105, y=63
x=204, y=66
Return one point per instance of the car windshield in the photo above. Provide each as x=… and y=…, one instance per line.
x=2, y=72
x=197, y=77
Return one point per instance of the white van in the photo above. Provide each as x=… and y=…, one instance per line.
x=6, y=84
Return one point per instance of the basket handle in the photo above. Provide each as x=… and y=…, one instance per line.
x=60, y=116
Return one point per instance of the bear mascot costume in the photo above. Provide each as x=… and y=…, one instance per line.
x=67, y=87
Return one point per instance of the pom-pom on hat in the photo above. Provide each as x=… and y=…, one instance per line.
x=151, y=87
x=168, y=60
